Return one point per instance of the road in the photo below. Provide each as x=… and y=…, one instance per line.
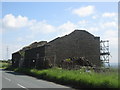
x=16, y=80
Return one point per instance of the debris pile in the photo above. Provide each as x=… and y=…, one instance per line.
x=75, y=63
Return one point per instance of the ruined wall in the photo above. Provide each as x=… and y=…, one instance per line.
x=79, y=43
x=34, y=57
x=29, y=56
x=16, y=59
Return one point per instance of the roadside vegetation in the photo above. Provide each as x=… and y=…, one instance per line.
x=75, y=78
x=4, y=64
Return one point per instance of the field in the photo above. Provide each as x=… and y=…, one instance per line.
x=4, y=65
x=76, y=78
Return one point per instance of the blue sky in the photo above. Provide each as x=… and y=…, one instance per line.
x=26, y=22
x=52, y=11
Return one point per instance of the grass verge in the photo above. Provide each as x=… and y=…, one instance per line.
x=74, y=78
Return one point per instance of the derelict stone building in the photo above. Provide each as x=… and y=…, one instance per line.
x=79, y=43
x=29, y=56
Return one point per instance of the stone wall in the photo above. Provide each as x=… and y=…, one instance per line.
x=34, y=57
x=16, y=57
x=79, y=43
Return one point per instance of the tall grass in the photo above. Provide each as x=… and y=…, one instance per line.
x=76, y=78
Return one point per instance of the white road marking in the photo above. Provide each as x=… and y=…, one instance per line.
x=22, y=86
x=8, y=79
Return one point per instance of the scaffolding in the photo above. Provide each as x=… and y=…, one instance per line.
x=104, y=52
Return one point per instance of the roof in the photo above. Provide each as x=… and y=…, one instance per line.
x=75, y=31
x=79, y=31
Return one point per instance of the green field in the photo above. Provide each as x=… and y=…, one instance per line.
x=4, y=65
x=76, y=78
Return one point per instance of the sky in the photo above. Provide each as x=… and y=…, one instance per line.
x=26, y=22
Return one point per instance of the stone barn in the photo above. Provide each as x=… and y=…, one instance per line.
x=78, y=43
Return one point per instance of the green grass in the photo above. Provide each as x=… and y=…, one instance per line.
x=75, y=78
x=4, y=65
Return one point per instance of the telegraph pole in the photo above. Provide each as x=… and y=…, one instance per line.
x=7, y=52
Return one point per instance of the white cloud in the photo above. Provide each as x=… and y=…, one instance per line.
x=10, y=21
x=111, y=33
x=94, y=17
x=42, y=27
x=66, y=28
x=84, y=11
x=92, y=29
x=109, y=24
x=85, y=25
x=107, y=14
x=112, y=36
x=83, y=22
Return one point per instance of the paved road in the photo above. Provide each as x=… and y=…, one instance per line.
x=12, y=79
